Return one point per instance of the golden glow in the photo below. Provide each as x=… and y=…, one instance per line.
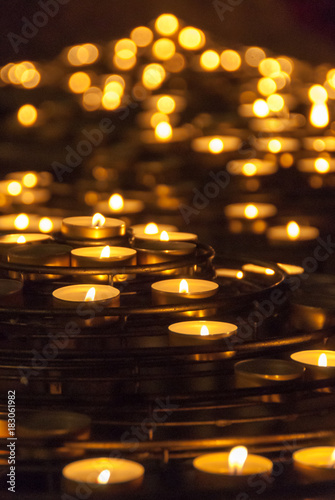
x=90, y=296
x=163, y=49
x=78, y=55
x=166, y=104
x=269, y=272
x=27, y=115
x=319, y=116
x=153, y=76
x=183, y=286
x=321, y=165
x=29, y=180
x=45, y=225
x=92, y=98
x=318, y=94
x=111, y=100
x=105, y=252
x=230, y=60
x=15, y=72
x=79, y=82
x=21, y=221
x=114, y=86
x=274, y=146
x=286, y=64
x=151, y=228
x=266, y=86
x=331, y=78
x=319, y=145
x=239, y=275
x=249, y=169
x=157, y=118
x=30, y=78
x=98, y=220
x=236, y=459
x=293, y=230
x=251, y=212
x=164, y=236
x=103, y=477
x=210, y=60
x=286, y=160
x=4, y=73
x=125, y=48
x=21, y=239
x=191, y=38
x=14, y=188
x=260, y=108
x=275, y=102
x=204, y=331
x=115, y=78
x=269, y=67
x=116, y=202
x=123, y=63
x=322, y=361
x=142, y=36
x=163, y=131
x=253, y=56
x=166, y=24
x=216, y=145
x=175, y=64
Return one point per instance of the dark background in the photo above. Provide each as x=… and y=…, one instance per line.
x=302, y=28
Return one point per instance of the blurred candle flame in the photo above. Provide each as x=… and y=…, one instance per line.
x=236, y=459
x=98, y=220
x=105, y=252
x=116, y=202
x=183, y=286
x=293, y=230
x=21, y=239
x=204, y=331
x=164, y=236
x=151, y=228
x=322, y=361
x=251, y=211
x=103, y=477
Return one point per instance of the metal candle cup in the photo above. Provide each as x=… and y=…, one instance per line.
x=315, y=464
x=192, y=332
x=8, y=241
x=157, y=252
x=310, y=359
x=173, y=236
x=10, y=292
x=123, y=477
x=81, y=228
x=141, y=229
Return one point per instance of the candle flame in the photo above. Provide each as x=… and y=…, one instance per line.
x=322, y=361
x=239, y=275
x=236, y=459
x=183, y=286
x=90, y=296
x=269, y=272
x=151, y=228
x=251, y=211
x=105, y=252
x=164, y=236
x=116, y=202
x=21, y=221
x=274, y=146
x=104, y=477
x=204, y=331
x=293, y=230
x=332, y=459
x=319, y=116
x=249, y=169
x=21, y=239
x=98, y=220
x=321, y=165
x=216, y=146
x=163, y=131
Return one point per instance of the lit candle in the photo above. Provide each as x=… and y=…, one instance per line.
x=117, y=205
x=166, y=236
x=319, y=364
x=250, y=211
x=151, y=228
x=315, y=464
x=276, y=125
x=316, y=165
x=233, y=469
x=277, y=144
x=291, y=232
x=31, y=179
x=95, y=228
x=29, y=222
x=200, y=332
x=8, y=241
x=104, y=476
x=319, y=143
x=165, y=103
x=253, y=167
x=216, y=144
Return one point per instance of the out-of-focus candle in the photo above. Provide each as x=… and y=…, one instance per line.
x=316, y=165
x=291, y=232
x=151, y=228
x=167, y=236
x=291, y=269
x=315, y=464
x=277, y=144
x=216, y=144
x=104, y=476
x=29, y=222
x=250, y=210
x=8, y=241
x=253, y=167
x=94, y=228
x=117, y=205
x=319, y=143
x=275, y=125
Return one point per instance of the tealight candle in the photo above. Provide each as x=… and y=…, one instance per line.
x=316, y=165
x=80, y=297
x=315, y=464
x=253, y=167
x=200, y=332
x=181, y=291
x=319, y=143
x=117, y=205
x=274, y=125
x=31, y=179
x=319, y=364
x=158, y=252
x=164, y=135
x=216, y=144
x=151, y=228
x=290, y=233
x=250, y=211
x=29, y=222
x=235, y=469
x=102, y=256
x=105, y=477
x=277, y=144
x=93, y=228
x=165, y=103
x=8, y=241
x=166, y=236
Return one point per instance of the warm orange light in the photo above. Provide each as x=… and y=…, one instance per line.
x=29, y=180
x=116, y=202
x=269, y=67
x=191, y=38
x=79, y=82
x=157, y=118
x=92, y=98
x=209, y=60
x=204, y=331
x=230, y=60
x=293, y=230
x=239, y=275
x=105, y=252
x=216, y=145
x=79, y=55
x=103, y=477
x=27, y=115
x=14, y=188
x=275, y=102
x=321, y=165
x=111, y=100
x=236, y=459
x=166, y=24
x=249, y=169
x=163, y=49
x=183, y=286
x=151, y=228
x=266, y=86
x=114, y=86
x=332, y=459
x=319, y=116
x=45, y=225
x=251, y=212
x=163, y=131
x=269, y=272
x=274, y=146
x=21, y=239
x=21, y=221
x=253, y=56
x=164, y=236
x=322, y=361
x=142, y=36
x=125, y=48
x=30, y=78
x=90, y=296
x=166, y=104
x=260, y=108
x=318, y=94
x=98, y=220
x=153, y=76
